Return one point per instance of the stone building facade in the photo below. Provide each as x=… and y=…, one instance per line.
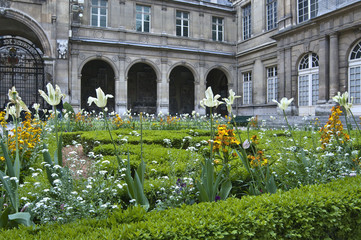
x=160, y=55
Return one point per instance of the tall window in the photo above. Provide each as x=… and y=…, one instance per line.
x=272, y=84
x=271, y=9
x=217, y=29
x=182, y=24
x=308, y=80
x=99, y=9
x=142, y=18
x=247, y=88
x=354, y=73
x=307, y=9
x=247, y=26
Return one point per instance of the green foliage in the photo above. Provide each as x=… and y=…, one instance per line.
x=328, y=211
x=210, y=182
x=69, y=109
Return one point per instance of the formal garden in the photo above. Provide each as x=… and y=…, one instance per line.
x=107, y=175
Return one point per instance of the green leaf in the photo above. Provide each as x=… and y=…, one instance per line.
x=203, y=196
x=225, y=189
x=59, y=153
x=4, y=217
x=21, y=218
x=243, y=157
x=141, y=198
x=49, y=169
x=11, y=192
x=17, y=165
x=129, y=181
x=8, y=161
x=141, y=171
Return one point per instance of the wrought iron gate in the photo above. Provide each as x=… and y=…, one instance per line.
x=22, y=66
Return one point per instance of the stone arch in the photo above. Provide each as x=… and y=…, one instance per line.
x=224, y=70
x=103, y=58
x=23, y=19
x=187, y=65
x=146, y=61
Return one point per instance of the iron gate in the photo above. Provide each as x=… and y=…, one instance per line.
x=22, y=66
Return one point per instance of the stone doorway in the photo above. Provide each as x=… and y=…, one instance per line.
x=94, y=74
x=142, y=89
x=181, y=91
x=217, y=79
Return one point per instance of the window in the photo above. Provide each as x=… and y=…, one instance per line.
x=271, y=11
x=247, y=27
x=247, y=88
x=99, y=10
x=307, y=9
x=217, y=28
x=272, y=84
x=182, y=24
x=354, y=73
x=308, y=80
x=142, y=18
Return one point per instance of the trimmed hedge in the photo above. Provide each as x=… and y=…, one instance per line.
x=328, y=211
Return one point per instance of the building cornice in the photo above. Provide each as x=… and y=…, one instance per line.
x=152, y=46
x=315, y=21
x=257, y=48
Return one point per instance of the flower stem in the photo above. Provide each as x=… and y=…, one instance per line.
x=289, y=127
x=120, y=163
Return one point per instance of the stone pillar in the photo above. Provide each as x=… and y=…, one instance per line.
x=288, y=74
x=121, y=88
x=258, y=88
x=199, y=89
x=334, y=66
x=75, y=78
x=323, y=72
x=281, y=74
x=163, y=89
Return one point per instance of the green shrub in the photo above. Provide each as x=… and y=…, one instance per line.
x=328, y=211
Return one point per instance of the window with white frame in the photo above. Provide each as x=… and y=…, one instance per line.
x=271, y=11
x=142, y=18
x=247, y=88
x=247, y=26
x=272, y=84
x=308, y=83
x=354, y=74
x=217, y=29
x=307, y=9
x=99, y=11
x=182, y=24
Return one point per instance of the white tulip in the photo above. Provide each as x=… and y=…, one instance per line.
x=54, y=96
x=284, y=103
x=210, y=100
x=101, y=99
x=230, y=100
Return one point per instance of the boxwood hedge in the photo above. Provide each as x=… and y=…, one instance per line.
x=328, y=211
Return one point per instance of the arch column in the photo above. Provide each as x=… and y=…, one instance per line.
x=199, y=89
x=121, y=86
x=334, y=66
x=163, y=89
x=75, y=81
x=323, y=71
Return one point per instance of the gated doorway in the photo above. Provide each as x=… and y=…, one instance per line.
x=22, y=66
